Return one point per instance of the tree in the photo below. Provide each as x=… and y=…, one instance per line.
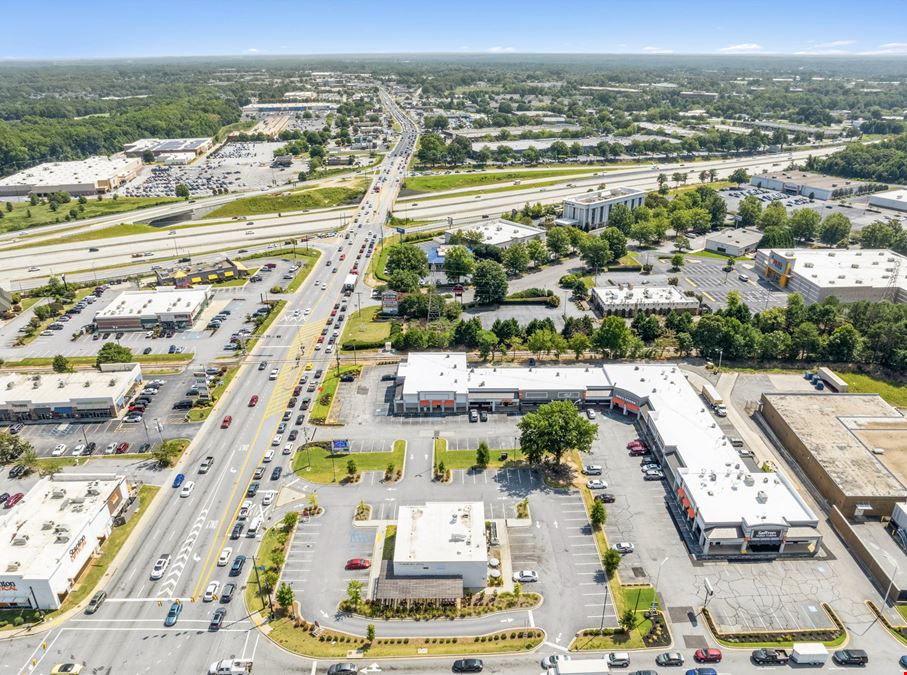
x=579, y=344
x=681, y=242
x=284, y=596
x=404, y=281
x=748, y=211
x=647, y=327
x=805, y=340
x=554, y=429
x=611, y=561
x=597, y=515
x=148, y=157
x=490, y=281
x=739, y=176
x=677, y=261
x=515, y=258
x=487, y=342
x=483, y=455
x=167, y=453
x=804, y=224
x=662, y=180
x=12, y=447
x=843, y=343
x=351, y=468
x=370, y=629
x=537, y=252
x=774, y=345
x=617, y=242
x=111, y=352
x=611, y=337
x=774, y=215
x=354, y=592
x=558, y=241
x=596, y=254
x=834, y=229
x=628, y=620
x=620, y=218
x=61, y=364
x=407, y=257
x=458, y=262
x=181, y=190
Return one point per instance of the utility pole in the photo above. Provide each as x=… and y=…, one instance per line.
x=359, y=304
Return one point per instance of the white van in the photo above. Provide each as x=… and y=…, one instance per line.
x=253, y=526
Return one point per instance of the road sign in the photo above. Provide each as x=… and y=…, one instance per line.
x=401, y=230
x=340, y=445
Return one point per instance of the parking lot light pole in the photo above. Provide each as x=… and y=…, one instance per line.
x=604, y=606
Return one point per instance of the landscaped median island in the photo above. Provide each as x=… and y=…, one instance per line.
x=365, y=331
x=482, y=457
x=438, y=182
x=325, y=399
x=473, y=605
x=202, y=409
x=317, y=463
x=297, y=200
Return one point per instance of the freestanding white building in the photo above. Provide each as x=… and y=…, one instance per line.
x=442, y=539
x=590, y=210
x=50, y=537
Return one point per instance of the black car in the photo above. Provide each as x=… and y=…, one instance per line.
x=850, y=657
x=343, y=669
x=218, y=619
x=483, y=415
x=185, y=404
x=236, y=568
x=276, y=473
x=292, y=402
x=305, y=403
x=300, y=419
x=605, y=498
x=236, y=533
x=253, y=488
x=17, y=471
x=262, y=365
x=293, y=435
x=146, y=350
x=318, y=373
x=347, y=377
x=3, y=497
x=227, y=594
x=96, y=601
x=390, y=377
x=468, y=666
x=287, y=415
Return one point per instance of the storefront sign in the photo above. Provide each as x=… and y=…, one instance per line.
x=75, y=550
x=6, y=586
x=762, y=535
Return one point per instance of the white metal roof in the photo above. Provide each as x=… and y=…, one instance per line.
x=500, y=231
x=64, y=388
x=162, y=300
x=642, y=296
x=441, y=532
x=89, y=171
x=830, y=268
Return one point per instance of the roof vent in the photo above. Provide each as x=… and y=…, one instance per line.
x=761, y=497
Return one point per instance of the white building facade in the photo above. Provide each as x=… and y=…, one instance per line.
x=629, y=300
x=590, y=210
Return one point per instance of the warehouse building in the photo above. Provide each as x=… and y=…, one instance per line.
x=283, y=108
x=811, y=185
x=499, y=232
x=86, y=177
x=851, y=447
x=733, y=242
x=628, y=300
x=891, y=199
x=58, y=397
x=50, y=538
x=590, y=210
x=847, y=274
x=165, y=307
x=726, y=508
x=188, y=147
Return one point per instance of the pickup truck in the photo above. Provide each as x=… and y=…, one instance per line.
x=766, y=657
x=206, y=464
x=231, y=667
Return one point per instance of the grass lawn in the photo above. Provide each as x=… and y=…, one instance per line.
x=239, y=281
x=18, y=219
x=325, y=397
x=317, y=198
x=466, y=459
x=272, y=316
x=379, y=258
x=256, y=602
x=717, y=185
x=362, y=327
x=708, y=254
x=307, y=264
x=390, y=541
x=893, y=392
x=27, y=303
x=236, y=126
x=47, y=361
x=321, y=471
x=463, y=180
x=201, y=413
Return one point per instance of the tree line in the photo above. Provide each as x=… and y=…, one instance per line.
x=885, y=161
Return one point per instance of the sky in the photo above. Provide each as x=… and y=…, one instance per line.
x=80, y=29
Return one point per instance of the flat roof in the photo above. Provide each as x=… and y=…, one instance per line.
x=441, y=532
x=391, y=587
x=53, y=512
x=85, y=171
x=845, y=267
x=500, y=231
x=830, y=427
x=808, y=178
x=168, y=145
x=642, y=296
x=603, y=196
x=743, y=236
x=62, y=388
x=899, y=194
x=162, y=300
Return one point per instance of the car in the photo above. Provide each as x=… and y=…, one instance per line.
x=525, y=576
x=17, y=471
x=228, y=420
x=79, y=450
x=236, y=532
x=287, y=414
x=343, y=669
x=227, y=595
x=592, y=470
x=160, y=567
x=174, y=613
x=623, y=547
x=292, y=436
x=259, y=472
x=211, y=591
x=253, y=401
x=187, y=489
x=96, y=601
x=121, y=448
x=743, y=277
x=11, y=501
x=483, y=415
x=16, y=428
x=146, y=350
x=276, y=473
x=618, y=659
x=357, y=564
x=244, y=510
x=217, y=619
x=710, y=655
x=66, y=669
x=596, y=484
x=650, y=467
x=236, y=568
x=262, y=365
x=178, y=479
x=473, y=415
x=267, y=498
x=590, y=413
x=468, y=666
x=669, y=659
x=59, y=450
x=605, y=498
x=653, y=474
x=850, y=657
x=701, y=671
x=552, y=660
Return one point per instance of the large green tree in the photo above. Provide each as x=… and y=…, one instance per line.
x=458, y=263
x=490, y=282
x=558, y=241
x=111, y=352
x=407, y=257
x=749, y=210
x=834, y=229
x=554, y=429
x=596, y=253
x=804, y=224
x=515, y=258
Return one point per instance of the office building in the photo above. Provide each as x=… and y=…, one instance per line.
x=590, y=210
x=627, y=300
x=165, y=307
x=499, y=232
x=733, y=242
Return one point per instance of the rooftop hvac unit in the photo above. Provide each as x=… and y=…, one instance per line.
x=93, y=492
x=61, y=539
x=47, y=525
x=855, y=266
x=58, y=493
x=62, y=527
x=61, y=384
x=761, y=497
x=12, y=566
x=748, y=480
x=20, y=540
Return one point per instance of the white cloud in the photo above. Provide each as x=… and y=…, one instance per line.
x=251, y=50
x=742, y=48
x=657, y=50
x=890, y=48
x=501, y=50
x=834, y=44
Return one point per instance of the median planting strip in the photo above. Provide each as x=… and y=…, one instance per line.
x=316, y=463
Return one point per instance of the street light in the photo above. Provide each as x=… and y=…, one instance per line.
x=720, y=356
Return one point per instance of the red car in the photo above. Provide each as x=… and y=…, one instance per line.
x=226, y=423
x=333, y=312
x=253, y=401
x=639, y=452
x=16, y=498
x=121, y=448
x=636, y=443
x=297, y=390
x=343, y=256
x=707, y=655
x=358, y=564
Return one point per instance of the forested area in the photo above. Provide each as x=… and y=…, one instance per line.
x=884, y=161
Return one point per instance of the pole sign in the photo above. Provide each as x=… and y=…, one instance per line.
x=340, y=445
x=401, y=230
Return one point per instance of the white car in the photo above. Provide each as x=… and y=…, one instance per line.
x=596, y=484
x=288, y=449
x=224, y=557
x=79, y=450
x=59, y=449
x=276, y=440
x=110, y=448
x=623, y=547
x=160, y=567
x=269, y=455
x=592, y=469
x=526, y=576
x=211, y=591
x=244, y=510
x=188, y=486
x=267, y=498
x=590, y=413
x=308, y=310
x=552, y=660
